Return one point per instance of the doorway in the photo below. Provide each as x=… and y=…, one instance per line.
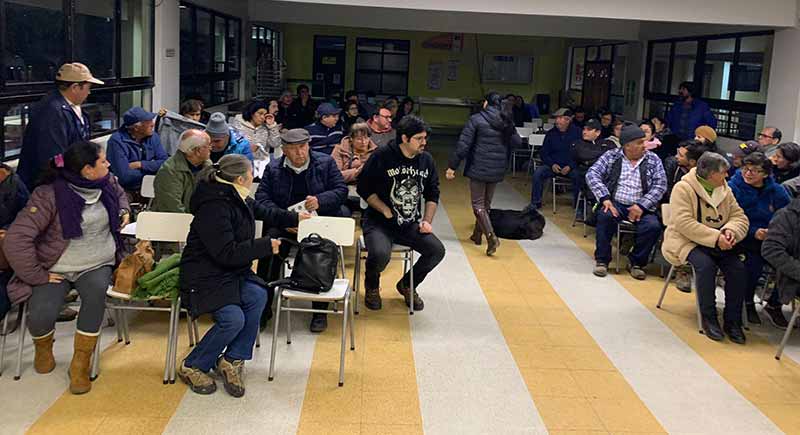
x=329, y=61
x=596, y=85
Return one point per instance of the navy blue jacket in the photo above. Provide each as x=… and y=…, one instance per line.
x=557, y=147
x=53, y=127
x=484, y=147
x=758, y=204
x=699, y=114
x=323, y=179
x=122, y=150
x=324, y=139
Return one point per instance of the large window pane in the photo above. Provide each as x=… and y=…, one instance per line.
x=219, y=44
x=683, y=66
x=659, y=67
x=718, y=67
x=618, y=71
x=394, y=84
x=752, y=72
x=102, y=112
x=233, y=42
x=369, y=61
x=203, y=40
x=187, y=42
x=94, y=36
x=136, y=30
x=14, y=122
x=395, y=62
x=34, y=35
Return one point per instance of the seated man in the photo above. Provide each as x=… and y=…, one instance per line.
x=587, y=150
x=135, y=149
x=226, y=140
x=175, y=181
x=675, y=167
x=381, y=125
x=781, y=249
x=394, y=182
x=299, y=176
x=327, y=132
x=628, y=184
x=555, y=155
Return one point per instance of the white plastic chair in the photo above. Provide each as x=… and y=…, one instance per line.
x=342, y=232
x=524, y=132
x=547, y=126
x=530, y=125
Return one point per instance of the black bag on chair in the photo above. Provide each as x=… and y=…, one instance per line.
x=314, y=266
x=517, y=224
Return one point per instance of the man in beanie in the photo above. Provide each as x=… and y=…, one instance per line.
x=555, y=155
x=299, y=176
x=706, y=135
x=226, y=140
x=327, y=132
x=135, y=150
x=689, y=112
x=628, y=184
x=56, y=121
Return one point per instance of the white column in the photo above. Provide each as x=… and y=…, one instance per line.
x=167, y=56
x=783, y=95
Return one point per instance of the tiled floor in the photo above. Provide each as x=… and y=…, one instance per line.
x=525, y=342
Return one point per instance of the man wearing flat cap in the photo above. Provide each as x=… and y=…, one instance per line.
x=135, y=149
x=56, y=121
x=300, y=176
x=327, y=132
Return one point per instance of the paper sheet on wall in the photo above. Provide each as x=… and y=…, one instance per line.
x=435, y=75
x=300, y=207
x=452, y=70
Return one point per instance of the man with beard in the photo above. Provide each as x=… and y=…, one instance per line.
x=688, y=113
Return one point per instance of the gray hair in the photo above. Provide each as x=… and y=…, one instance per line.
x=711, y=162
x=192, y=139
x=229, y=167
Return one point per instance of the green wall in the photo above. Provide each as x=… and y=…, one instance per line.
x=548, y=77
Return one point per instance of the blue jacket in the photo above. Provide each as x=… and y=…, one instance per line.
x=323, y=178
x=758, y=204
x=238, y=144
x=122, y=150
x=323, y=139
x=53, y=127
x=699, y=114
x=557, y=146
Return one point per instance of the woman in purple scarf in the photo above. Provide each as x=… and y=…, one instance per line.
x=68, y=236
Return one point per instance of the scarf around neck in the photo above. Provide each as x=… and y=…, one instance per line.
x=70, y=204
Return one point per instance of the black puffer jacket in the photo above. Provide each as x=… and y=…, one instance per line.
x=781, y=249
x=484, y=148
x=221, y=246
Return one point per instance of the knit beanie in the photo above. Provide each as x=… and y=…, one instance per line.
x=217, y=126
x=706, y=133
x=630, y=133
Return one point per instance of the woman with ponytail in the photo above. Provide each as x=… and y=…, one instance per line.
x=68, y=236
x=486, y=144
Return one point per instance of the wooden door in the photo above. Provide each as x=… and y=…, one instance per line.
x=596, y=85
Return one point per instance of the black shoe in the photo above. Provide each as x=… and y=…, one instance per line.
x=319, y=323
x=735, y=333
x=752, y=314
x=419, y=304
x=775, y=315
x=67, y=315
x=372, y=299
x=712, y=329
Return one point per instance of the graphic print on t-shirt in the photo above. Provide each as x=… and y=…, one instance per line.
x=406, y=193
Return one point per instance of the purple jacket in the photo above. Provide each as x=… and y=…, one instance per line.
x=34, y=242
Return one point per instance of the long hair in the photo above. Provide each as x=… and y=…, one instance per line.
x=505, y=107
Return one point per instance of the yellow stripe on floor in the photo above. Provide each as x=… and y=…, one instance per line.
x=770, y=385
x=573, y=384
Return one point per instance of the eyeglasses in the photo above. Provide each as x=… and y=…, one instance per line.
x=760, y=135
x=747, y=169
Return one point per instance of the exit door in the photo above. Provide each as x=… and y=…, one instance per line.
x=596, y=85
x=329, y=59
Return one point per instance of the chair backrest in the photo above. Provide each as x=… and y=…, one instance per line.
x=148, y=189
x=547, y=126
x=537, y=123
x=666, y=214
x=529, y=125
x=524, y=132
x=253, y=190
x=340, y=230
x=163, y=227
x=536, y=140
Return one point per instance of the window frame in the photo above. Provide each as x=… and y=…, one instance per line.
x=382, y=70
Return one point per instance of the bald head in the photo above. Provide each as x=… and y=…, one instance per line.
x=196, y=145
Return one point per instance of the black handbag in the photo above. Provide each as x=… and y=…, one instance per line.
x=315, y=264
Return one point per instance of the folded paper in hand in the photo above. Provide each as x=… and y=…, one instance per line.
x=300, y=207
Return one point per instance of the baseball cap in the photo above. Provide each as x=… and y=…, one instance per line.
x=563, y=112
x=593, y=124
x=76, y=72
x=326, y=109
x=136, y=114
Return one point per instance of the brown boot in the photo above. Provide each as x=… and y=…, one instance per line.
x=493, y=242
x=81, y=365
x=491, y=239
x=477, y=234
x=372, y=299
x=43, y=360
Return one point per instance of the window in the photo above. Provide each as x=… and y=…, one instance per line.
x=114, y=38
x=268, y=42
x=382, y=66
x=729, y=72
x=210, y=55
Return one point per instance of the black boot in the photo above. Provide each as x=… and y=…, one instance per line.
x=477, y=234
x=734, y=332
x=711, y=328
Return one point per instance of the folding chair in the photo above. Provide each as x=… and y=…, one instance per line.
x=406, y=254
x=559, y=181
x=624, y=227
x=581, y=204
x=342, y=232
x=524, y=132
x=788, y=333
x=535, y=141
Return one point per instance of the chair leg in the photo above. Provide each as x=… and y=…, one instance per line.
x=22, y=330
x=666, y=284
x=277, y=321
x=196, y=331
x=96, y=358
x=174, y=355
x=351, y=317
x=118, y=324
x=258, y=339
x=356, y=277
x=189, y=330
x=3, y=343
x=124, y=320
x=167, y=364
x=344, y=340
x=288, y=322
x=554, y=195
x=697, y=302
x=411, y=281
x=788, y=332
x=341, y=260
x=619, y=236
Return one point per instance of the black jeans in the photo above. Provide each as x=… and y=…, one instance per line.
x=706, y=261
x=379, y=239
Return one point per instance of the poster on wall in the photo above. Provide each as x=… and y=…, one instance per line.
x=452, y=70
x=435, y=75
x=577, y=80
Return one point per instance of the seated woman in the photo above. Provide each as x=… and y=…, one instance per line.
x=352, y=153
x=258, y=126
x=66, y=237
x=760, y=197
x=651, y=141
x=787, y=162
x=706, y=225
x=216, y=275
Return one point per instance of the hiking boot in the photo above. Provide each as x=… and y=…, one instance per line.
x=752, y=314
x=319, y=323
x=776, y=317
x=198, y=381
x=735, y=333
x=66, y=315
x=493, y=242
x=637, y=272
x=372, y=299
x=477, y=235
x=711, y=328
x=600, y=269
x=232, y=374
x=419, y=305
x=43, y=360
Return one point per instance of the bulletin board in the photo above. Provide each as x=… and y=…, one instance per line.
x=507, y=69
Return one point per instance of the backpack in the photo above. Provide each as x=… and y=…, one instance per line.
x=517, y=224
x=315, y=264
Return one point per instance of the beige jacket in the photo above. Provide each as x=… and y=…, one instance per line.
x=685, y=231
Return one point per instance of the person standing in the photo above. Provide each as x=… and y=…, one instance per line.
x=689, y=112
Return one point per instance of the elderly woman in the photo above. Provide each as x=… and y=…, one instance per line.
x=257, y=124
x=760, y=197
x=704, y=230
x=66, y=237
x=787, y=162
x=216, y=275
x=352, y=153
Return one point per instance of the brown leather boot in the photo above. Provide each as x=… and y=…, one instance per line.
x=43, y=360
x=81, y=365
x=492, y=243
x=477, y=234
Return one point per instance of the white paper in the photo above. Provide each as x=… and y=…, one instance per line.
x=259, y=166
x=300, y=207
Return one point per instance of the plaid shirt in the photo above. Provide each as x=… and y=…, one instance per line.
x=599, y=178
x=629, y=186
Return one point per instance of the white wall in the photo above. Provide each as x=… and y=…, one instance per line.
x=166, y=92
x=783, y=95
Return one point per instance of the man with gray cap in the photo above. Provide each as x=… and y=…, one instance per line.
x=175, y=181
x=299, y=176
x=56, y=121
x=327, y=132
x=135, y=149
x=628, y=183
x=226, y=140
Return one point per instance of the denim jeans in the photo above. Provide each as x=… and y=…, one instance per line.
x=234, y=331
x=647, y=231
x=542, y=175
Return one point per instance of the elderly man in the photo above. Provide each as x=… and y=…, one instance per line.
x=175, y=181
x=226, y=140
x=628, y=184
x=769, y=138
x=303, y=177
x=689, y=112
x=381, y=126
x=135, y=149
x=56, y=121
x=327, y=132
x=556, y=155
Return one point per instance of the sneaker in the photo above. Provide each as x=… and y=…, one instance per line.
x=319, y=323
x=600, y=269
x=637, y=272
x=232, y=374
x=197, y=380
x=775, y=315
x=735, y=333
x=752, y=314
x=419, y=305
x=372, y=299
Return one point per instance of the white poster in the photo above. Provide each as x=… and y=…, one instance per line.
x=435, y=75
x=452, y=70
